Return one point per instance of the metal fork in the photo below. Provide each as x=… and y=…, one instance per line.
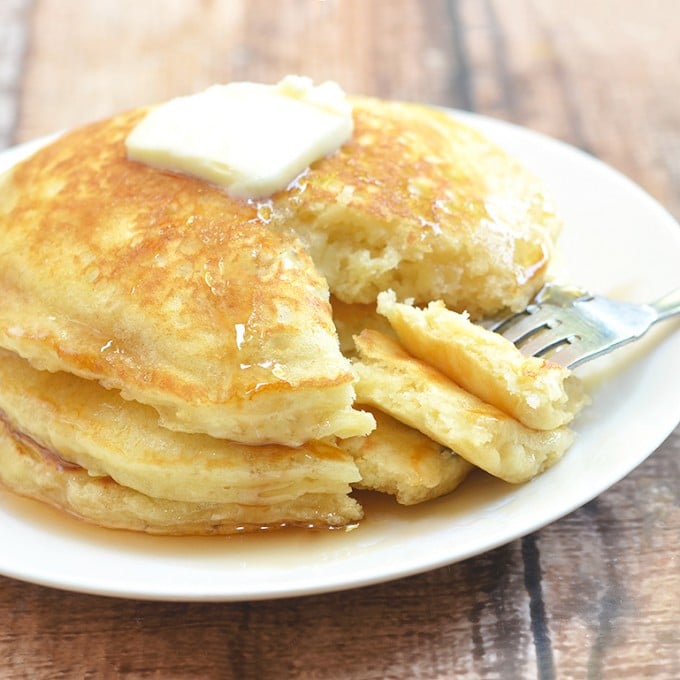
x=571, y=326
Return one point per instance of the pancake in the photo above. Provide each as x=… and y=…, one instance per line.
x=101, y=501
x=422, y=204
x=168, y=290
x=418, y=395
x=538, y=393
x=396, y=459
x=79, y=438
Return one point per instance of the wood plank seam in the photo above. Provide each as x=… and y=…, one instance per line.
x=13, y=47
x=545, y=664
x=462, y=83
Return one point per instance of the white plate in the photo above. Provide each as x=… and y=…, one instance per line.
x=617, y=241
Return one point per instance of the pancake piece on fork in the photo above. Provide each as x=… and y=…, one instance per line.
x=422, y=397
x=538, y=393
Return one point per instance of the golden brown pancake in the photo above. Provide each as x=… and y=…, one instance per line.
x=538, y=393
x=27, y=471
x=67, y=429
x=165, y=288
x=422, y=204
x=418, y=395
x=398, y=460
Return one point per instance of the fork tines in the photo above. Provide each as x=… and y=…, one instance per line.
x=536, y=330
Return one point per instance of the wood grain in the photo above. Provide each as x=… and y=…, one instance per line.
x=595, y=595
x=13, y=36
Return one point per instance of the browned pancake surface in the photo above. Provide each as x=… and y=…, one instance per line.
x=165, y=288
x=423, y=204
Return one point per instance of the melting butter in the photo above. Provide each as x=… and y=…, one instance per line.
x=250, y=139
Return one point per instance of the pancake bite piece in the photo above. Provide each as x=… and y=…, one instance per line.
x=398, y=460
x=422, y=397
x=538, y=393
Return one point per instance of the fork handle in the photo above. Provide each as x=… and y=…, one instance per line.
x=668, y=305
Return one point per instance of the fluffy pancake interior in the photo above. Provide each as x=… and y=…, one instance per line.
x=424, y=205
x=168, y=290
x=418, y=395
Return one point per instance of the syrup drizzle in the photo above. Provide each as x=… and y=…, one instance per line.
x=46, y=452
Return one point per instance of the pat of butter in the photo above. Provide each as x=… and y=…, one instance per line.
x=251, y=139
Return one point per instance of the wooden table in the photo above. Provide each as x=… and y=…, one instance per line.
x=595, y=595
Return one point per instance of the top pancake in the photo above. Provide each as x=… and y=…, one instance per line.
x=422, y=204
x=168, y=290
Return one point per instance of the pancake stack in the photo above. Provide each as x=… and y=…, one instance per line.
x=169, y=357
